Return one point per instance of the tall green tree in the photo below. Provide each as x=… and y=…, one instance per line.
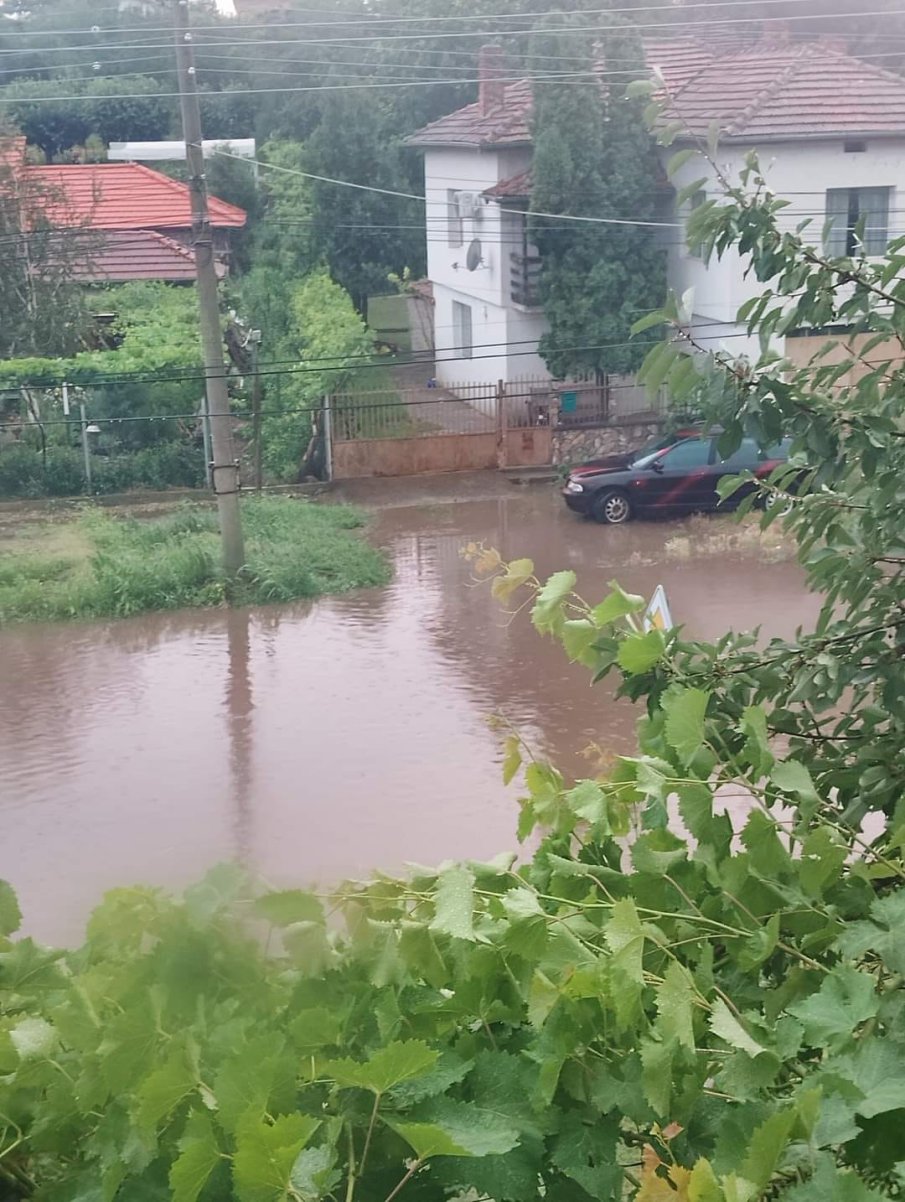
x=594, y=157
x=362, y=236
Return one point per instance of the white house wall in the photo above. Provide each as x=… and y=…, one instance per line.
x=488, y=361
x=486, y=289
x=800, y=172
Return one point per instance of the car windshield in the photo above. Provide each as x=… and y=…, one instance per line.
x=643, y=457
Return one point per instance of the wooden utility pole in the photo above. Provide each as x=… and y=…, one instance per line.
x=224, y=466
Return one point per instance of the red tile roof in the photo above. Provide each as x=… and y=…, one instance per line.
x=120, y=255
x=516, y=187
x=792, y=92
x=509, y=125
x=122, y=196
x=764, y=92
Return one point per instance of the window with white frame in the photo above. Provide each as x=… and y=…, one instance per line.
x=455, y=233
x=858, y=220
x=462, y=335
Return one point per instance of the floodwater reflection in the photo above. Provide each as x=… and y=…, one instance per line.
x=317, y=741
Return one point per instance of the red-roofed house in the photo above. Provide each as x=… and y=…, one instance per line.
x=134, y=223
x=830, y=130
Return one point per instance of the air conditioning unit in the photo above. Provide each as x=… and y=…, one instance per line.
x=469, y=204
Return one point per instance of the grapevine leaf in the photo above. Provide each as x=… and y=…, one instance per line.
x=266, y=1154
x=454, y=903
x=625, y=938
x=639, y=652
x=831, y=1183
x=792, y=777
x=258, y=1076
x=675, y=999
x=217, y=890
x=10, y=914
x=162, y=1091
x=428, y=1139
x=316, y=1027
x=288, y=906
x=546, y=614
x=766, y=1147
x=846, y=998
x=27, y=965
x=656, y=1060
x=449, y=1070
x=588, y=801
x=33, y=1038
x=397, y=1062
x=588, y=1157
x=753, y=725
x=578, y=636
x=198, y=1156
x=127, y=1051
x=877, y=1069
x=314, y=1174
x=726, y=1026
x=617, y=604
x=517, y=573
x=684, y=710
x=458, y=1129
x=512, y=759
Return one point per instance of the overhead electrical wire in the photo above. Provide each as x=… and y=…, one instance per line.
x=366, y=19
x=532, y=30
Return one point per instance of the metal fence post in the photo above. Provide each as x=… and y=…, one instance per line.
x=502, y=441
x=328, y=438
x=86, y=450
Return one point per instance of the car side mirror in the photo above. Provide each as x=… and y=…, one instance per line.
x=657, y=465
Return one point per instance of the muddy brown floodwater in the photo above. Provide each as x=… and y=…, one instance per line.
x=312, y=742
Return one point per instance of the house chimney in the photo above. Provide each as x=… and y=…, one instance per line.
x=491, y=72
x=835, y=43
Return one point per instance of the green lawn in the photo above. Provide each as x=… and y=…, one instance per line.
x=101, y=565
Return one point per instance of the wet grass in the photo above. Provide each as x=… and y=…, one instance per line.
x=101, y=565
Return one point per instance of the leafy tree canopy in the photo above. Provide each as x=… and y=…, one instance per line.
x=593, y=157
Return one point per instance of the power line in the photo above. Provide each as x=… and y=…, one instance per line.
x=412, y=196
x=72, y=377
x=530, y=31
x=365, y=19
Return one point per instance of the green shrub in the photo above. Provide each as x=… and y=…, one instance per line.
x=170, y=465
x=24, y=472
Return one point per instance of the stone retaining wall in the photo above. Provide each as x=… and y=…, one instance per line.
x=574, y=446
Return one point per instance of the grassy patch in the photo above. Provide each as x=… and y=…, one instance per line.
x=115, y=566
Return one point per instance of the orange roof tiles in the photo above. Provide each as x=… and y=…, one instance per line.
x=121, y=196
x=765, y=92
x=115, y=256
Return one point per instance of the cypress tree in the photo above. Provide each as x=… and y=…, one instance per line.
x=594, y=157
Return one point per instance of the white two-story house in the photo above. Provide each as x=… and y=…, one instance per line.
x=829, y=129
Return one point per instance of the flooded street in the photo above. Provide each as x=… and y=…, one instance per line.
x=317, y=741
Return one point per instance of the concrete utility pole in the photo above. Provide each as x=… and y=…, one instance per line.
x=224, y=467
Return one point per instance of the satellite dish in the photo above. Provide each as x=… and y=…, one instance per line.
x=473, y=255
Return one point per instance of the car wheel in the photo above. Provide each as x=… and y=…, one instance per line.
x=612, y=507
x=773, y=500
